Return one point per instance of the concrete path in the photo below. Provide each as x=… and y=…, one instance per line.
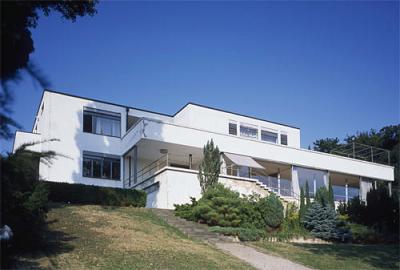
x=258, y=259
x=227, y=244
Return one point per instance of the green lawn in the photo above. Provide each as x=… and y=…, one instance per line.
x=336, y=256
x=94, y=237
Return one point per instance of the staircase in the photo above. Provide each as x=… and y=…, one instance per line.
x=285, y=199
x=192, y=229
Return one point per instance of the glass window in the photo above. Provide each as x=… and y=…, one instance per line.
x=100, y=123
x=269, y=136
x=284, y=140
x=248, y=131
x=233, y=128
x=311, y=176
x=103, y=166
x=87, y=167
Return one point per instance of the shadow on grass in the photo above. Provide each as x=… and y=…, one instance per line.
x=379, y=256
x=38, y=256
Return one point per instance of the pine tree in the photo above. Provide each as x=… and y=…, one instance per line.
x=302, y=209
x=324, y=223
x=209, y=168
x=307, y=195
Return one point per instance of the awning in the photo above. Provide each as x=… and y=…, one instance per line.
x=243, y=161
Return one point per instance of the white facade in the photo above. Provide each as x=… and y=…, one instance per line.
x=146, y=152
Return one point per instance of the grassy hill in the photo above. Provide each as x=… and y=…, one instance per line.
x=95, y=237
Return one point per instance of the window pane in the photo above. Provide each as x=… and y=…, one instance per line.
x=248, y=132
x=87, y=123
x=116, y=128
x=106, y=173
x=87, y=167
x=284, y=139
x=97, y=168
x=268, y=136
x=116, y=170
x=233, y=128
x=309, y=176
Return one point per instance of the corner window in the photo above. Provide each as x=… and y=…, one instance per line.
x=233, y=128
x=101, y=122
x=96, y=165
x=248, y=131
x=269, y=136
x=284, y=139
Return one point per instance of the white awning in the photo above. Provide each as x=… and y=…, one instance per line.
x=243, y=161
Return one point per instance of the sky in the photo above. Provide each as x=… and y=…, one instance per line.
x=329, y=68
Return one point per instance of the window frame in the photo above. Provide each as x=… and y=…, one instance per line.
x=92, y=157
x=249, y=126
x=287, y=139
x=271, y=132
x=93, y=113
x=236, y=128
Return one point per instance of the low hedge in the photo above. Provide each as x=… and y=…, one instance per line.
x=85, y=194
x=244, y=234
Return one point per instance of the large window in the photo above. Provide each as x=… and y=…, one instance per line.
x=248, y=131
x=284, y=140
x=314, y=178
x=269, y=136
x=102, y=166
x=233, y=128
x=101, y=122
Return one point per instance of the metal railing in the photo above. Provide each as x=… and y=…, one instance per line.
x=280, y=186
x=363, y=152
x=173, y=160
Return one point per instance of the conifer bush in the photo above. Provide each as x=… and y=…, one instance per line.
x=323, y=222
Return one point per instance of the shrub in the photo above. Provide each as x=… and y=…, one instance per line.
x=271, y=210
x=363, y=234
x=323, y=196
x=209, y=167
x=323, y=223
x=85, y=194
x=244, y=234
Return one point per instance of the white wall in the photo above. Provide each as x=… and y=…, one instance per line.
x=26, y=137
x=288, y=155
x=218, y=121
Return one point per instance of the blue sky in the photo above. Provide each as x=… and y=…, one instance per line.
x=330, y=68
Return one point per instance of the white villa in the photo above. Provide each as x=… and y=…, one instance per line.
x=112, y=145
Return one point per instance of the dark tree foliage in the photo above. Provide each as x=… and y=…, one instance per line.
x=17, y=20
x=209, y=167
x=323, y=197
x=326, y=145
x=307, y=194
x=381, y=212
x=387, y=138
x=23, y=197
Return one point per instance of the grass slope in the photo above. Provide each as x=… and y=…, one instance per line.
x=336, y=256
x=94, y=237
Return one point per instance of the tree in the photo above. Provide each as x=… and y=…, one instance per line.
x=210, y=166
x=307, y=195
x=302, y=209
x=23, y=196
x=330, y=192
x=17, y=20
x=271, y=209
x=326, y=145
x=324, y=223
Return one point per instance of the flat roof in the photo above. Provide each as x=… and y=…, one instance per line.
x=169, y=115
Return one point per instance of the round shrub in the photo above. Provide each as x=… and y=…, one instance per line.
x=271, y=210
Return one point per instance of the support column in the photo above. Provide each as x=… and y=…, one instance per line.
x=390, y=188
x=190, y=161
x=223, y=169
x=365, y=186
x=346, y=186
x=279, y=181
x=295, y=182
x=135, y=164
x=129, y=170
